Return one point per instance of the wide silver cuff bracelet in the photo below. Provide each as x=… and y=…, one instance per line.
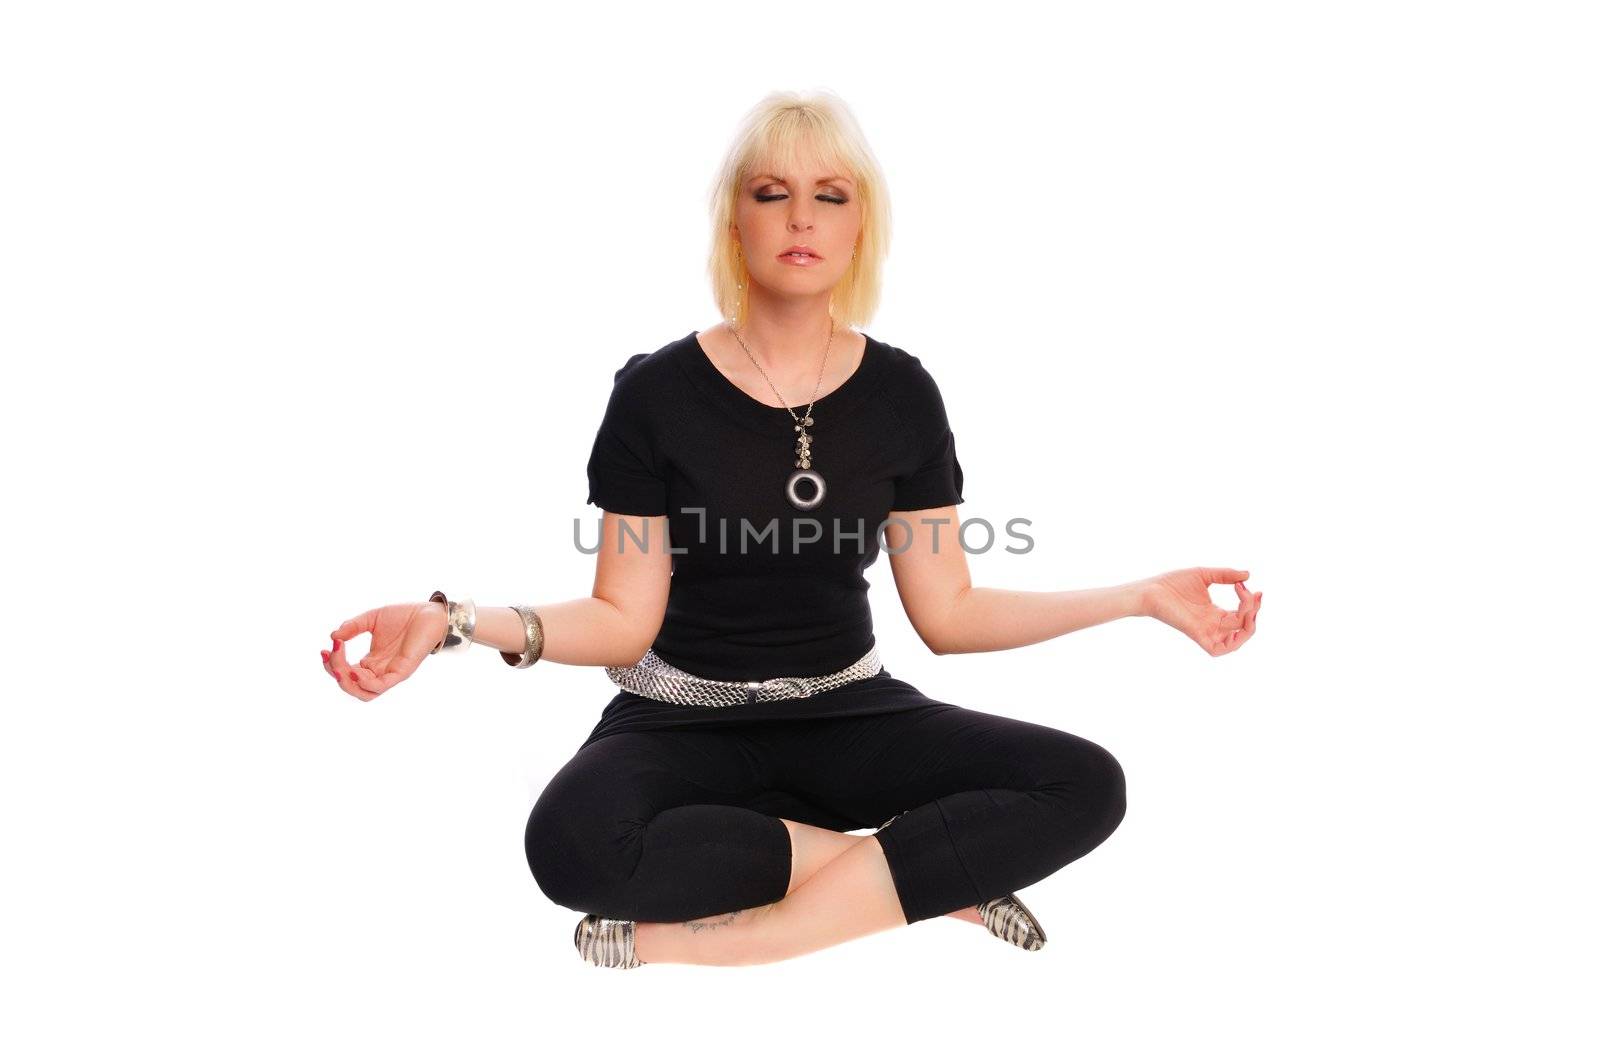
x=460, y=624
x=654, y=678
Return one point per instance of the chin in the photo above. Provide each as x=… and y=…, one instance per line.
x=813, y=286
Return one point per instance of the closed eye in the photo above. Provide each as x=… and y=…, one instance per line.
x=825, y=198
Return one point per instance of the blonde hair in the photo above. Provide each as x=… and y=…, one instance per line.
x=774, y=135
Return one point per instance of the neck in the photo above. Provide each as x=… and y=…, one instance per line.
x=789, y=332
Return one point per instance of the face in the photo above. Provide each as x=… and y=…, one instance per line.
x=817, y=208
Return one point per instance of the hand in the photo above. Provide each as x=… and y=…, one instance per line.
x=1180, y=599
x=402, y=636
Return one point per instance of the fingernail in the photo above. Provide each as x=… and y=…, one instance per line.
x=325, y=656
x=336, y=645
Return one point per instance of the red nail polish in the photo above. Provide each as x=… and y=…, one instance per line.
x=336, y=645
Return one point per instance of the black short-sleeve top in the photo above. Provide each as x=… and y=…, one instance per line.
x=760, y=588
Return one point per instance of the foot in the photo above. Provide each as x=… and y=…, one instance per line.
x=1009, y=920
x=606, y=942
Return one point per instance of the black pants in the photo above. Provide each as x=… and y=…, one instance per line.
x=673, y=824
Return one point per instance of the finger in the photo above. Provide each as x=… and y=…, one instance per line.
x=364, y=679
x=1223, y=575
x=1246, y=610
x=1247, y=601
x=344, y=673
x=402, y=668
x=326, y=666
x=347, y=683
x=337, y=658
x=1236, y=615
x=368, y=678
x=355, y=626
x=399, y=670
x=1239, y=638
x=377, y=684
x=383, y=682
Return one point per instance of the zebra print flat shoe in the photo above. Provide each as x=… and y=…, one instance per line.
x=1007, y=918
x=606, y=942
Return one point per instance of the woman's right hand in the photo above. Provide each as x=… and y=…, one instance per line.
x=402, y=636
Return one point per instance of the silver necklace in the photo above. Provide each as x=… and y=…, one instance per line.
x=802, y=425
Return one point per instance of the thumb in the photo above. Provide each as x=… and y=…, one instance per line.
x=355, y=626
x=1224, y=575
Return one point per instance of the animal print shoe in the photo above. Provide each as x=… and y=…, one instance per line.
x=606, y=942
x=1006, y=917
x=1009, y=920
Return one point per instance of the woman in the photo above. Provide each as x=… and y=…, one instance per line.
x=744, y=473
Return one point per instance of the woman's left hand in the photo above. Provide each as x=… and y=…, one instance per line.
x=1180, y=599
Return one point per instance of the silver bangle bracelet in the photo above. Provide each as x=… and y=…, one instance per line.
x=461, y=620
x=533, y=639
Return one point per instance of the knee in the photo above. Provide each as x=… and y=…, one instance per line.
x=1095, y=785
x=1112, y=788
x=571, y=861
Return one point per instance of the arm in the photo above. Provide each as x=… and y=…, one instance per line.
x=615, y=625
x=952, y=616
x=618, y=621
x=590, y=631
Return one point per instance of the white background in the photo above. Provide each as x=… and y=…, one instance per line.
x=309, y=308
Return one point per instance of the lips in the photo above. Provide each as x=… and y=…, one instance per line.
x=800, y=255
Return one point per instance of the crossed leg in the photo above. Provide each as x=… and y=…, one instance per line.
x=751, y=930
x=814, y=847
x=992, y=804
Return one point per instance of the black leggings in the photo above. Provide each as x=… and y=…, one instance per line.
x=673, y=824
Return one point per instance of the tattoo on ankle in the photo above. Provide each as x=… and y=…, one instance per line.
x=698, y=925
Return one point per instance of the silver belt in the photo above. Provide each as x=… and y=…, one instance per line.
x=654, y=678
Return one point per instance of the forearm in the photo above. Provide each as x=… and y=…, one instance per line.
x=994, y=618
x=583, y=631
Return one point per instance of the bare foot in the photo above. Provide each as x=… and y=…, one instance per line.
x=969, y=914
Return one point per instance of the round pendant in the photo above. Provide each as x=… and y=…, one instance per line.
x=816, y=481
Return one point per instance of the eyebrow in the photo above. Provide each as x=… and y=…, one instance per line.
x=835, y=179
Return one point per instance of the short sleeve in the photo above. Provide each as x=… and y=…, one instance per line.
x=933, y=477
x=624, y=472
